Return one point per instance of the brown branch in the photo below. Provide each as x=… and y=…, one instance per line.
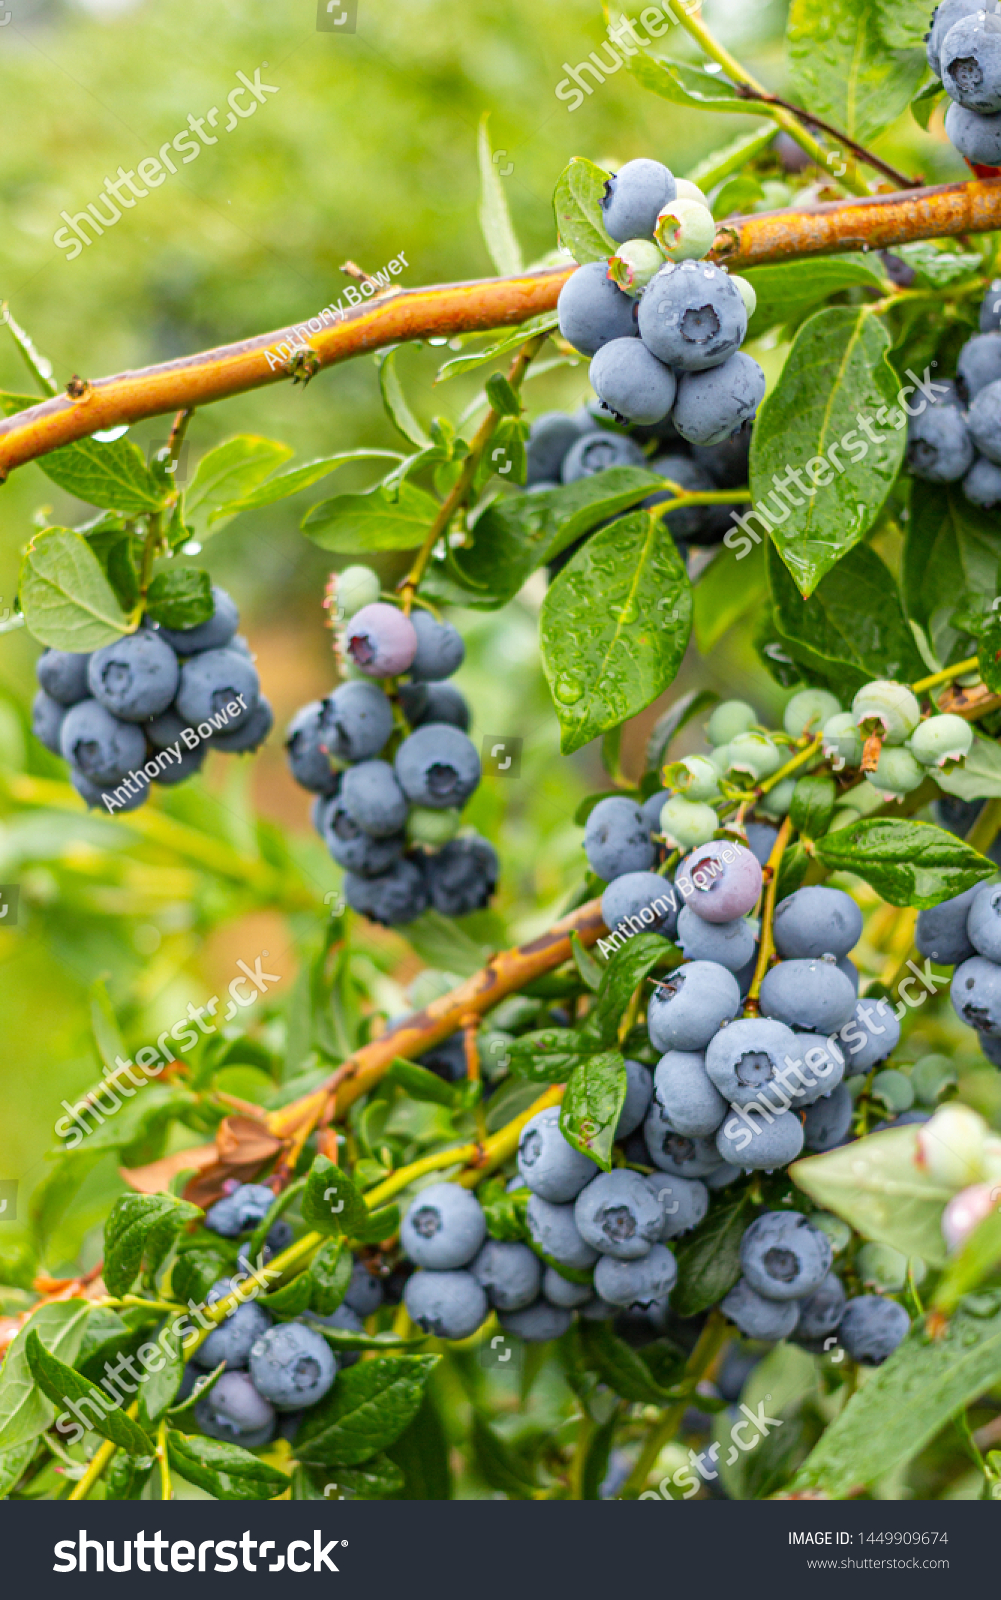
x=876, y=223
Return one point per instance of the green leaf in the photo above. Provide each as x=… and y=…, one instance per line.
x=590, y=970
x=122, y=571
x=495, y=219
x=813, y=804
x=719, y=164
x=935, y=267
x=224, y=1470
x=67, y=601
x=836, y=371
x=580, y=224
x=787, y=290
x=63, y=1387
x=378, y=1225
x=331, y=1202
x=141, y=1225
x=368, y=1407
x=104, y=1026
x=111, y=474
x=979, y=778
x=989, y=654
x=614, y=627
x=56, y=1190
x=627, y=968
x=504, y=1210
x=127, y=1475
x=395, y=401
x=205, y=1382
x=596, y=1459
x=851, y=630
x=378, y=1478
x=180, y=597
x=292, y=1299
x=725, y=592
x=195, y=1271
x=285, y=484
x=421, y=1453
x=345, y=1339
x=549, y=1055
x=503, y=397
x=844, y=70
x=507, y=342
x=903, y=23
x=25, y=1413
x=617, y=1364
x=227, y=475
x=908, y=1400
x=591, y=1105
x=13, y=1465
x=350, y=523
x=697, y=88
x=709, y=1257
x=160, y=1388
x=330, y=1274
x=950, y=560
x=420, y=1083
x=498, y=1463
x=924, y=102
x=877, y=1185
x=907, y=863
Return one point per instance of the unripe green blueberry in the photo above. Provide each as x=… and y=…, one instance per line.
x=746, y=292
x=888, y=708
x=777, y=801
x=837, y=1230
x=687, y=823
x=942, y=741
x=930, y=1077
x=951, y=1147
x=728, y=719
x=356, y=587
x=881, y=1267
x=894, y=1089
x=432, y=827
x=693, y=776
x=719, y=759
x=897, y=773
x=685, y=230
x=755, y=754
x=808, y=712
x=634, y=264
x=842, y=741
x=685, y=189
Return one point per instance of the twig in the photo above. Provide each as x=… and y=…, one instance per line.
x=859, y=151
x=766, y=946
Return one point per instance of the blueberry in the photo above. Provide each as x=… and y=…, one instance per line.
x=820, y=1066
x=393, y=898
x=820, y=1312
x=370, y=794
x=549, y=439
x=560, y=1291
x=364, y=1294
x=982, y=484
x=976, y=137
x=592, y=310
x=462, y=876
x=235, y=1412
x=434, y=702
x=756, y=1317
x=618, y=1214
x=704, y=525
x=815, y=922
x=380, y=640
x=597, y=450
x=634, y=264
x=349, y=844
x=887, y=708
x=690, y=1006
x=828, y=1121
x=451, y=1305
x=653, y=807
x=713, y=404
x=783, y=1257
x=538, y=1323
x=631, y=382
x=292, y=1366
x=440, y=650
x=774, y=1142
x=687, y=824
x=749, y=1056
x=684, y=1202
x=970, y=56
x=628, y=1283
x=355, y=587
x=101, y=746
x=509, y=1272
x=807, y=712
x=251, y=733
x=617, y=839
x=548, y=1163
x=871, y=1034
x=944, y=18
x=447, y=1060
x=232, y=1339
x=976, y=995
x=639, y=1093
x=737, y=1365
x=135, y=678
x=347, y=1320
x=46, y=720
x=210, y=635
x=598, y=1310
x=730, y=718
x=722, y=1176
x=939, y=446
x=871, y=1328
x=727, y=462
x=720, y=880
x=357, y=720
x=63, y=676
x=443, y=1228
x=634, y=197
x=683, y=1155
x=731, y=944
x=809, y=994
x=761, y=837
x=437, y=766
x=278, y=1237
x=189, y=762
x=983, y=925
x=211, y=683
x=685, y=230
x=555, y=1233
x=979, y=361
x=166, y=729
x=240, y=1211
x=692, y=317
x=990, y=308
x=687, y=1099
x=109, y=796
x=637, y=902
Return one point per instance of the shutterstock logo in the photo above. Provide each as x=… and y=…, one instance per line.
x=178, y=1555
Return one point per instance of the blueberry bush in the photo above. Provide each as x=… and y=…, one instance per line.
x=556, y=1220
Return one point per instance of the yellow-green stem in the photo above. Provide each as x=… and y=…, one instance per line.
x=766, y=943
x=166, y=1487
x=99, y=1461
x=958, y=670
x=662, y=1431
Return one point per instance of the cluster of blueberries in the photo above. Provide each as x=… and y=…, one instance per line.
x=147, y=708
x=965, y=933
x=391, y=817
x=958, y=436
x=662, y=324
x=274, y=1371
x=964, y=51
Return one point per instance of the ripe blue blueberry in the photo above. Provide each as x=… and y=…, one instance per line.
x=939, y=446
x=618, y=1214
x=628, y=1283
x=756, y=1317
x=63, y=675
x=712, y=404
x=809, y=994
x=364, y=1294
x=784, y=1257
x=47, y=720
x=684, y=1202
x=683, y=1155
x=639, y=1093
x=818, y=1068
x=509, y=1272
x=462, y=875
x=236, y=1413
x=727, y=461
x=357, y=720
x=292, y=1366
x=982, y=484
x=983, y=924
x=549, y=439
x=976, y=137
x=749, y=1056
x=688, y=1100
x=944, y=18
x=210, y=635
x=634, y=197
x=731, y=944
x=444, y=1227
x=872, y=1034
x=213, y=681
x=393, y=898
x=135, y=678
x=251, y=733
x=691, y=1005
x=817, y=921
x=240, y=1211
x=820, y=1312
x=617, y=840
x=101, y=746
x=764, y=1146
x=979, y=361
x=722, y=1176
x=548, y=1163
x=631, y=382
x=990, y=308
x=871, y=1328
x=434, y=702
x=970, y=57
x=560, y=1291
x=941, y=932
x=720, y=880
x=451, y=1305
x=635, y=902
x=761, y=836
x=592, y=310
x=232, y=1339
x=103, y=796
x=653, y=807
x=350, y=845
x=828, y=1121
x=370, y=794
x=278, y=1237
x=692, y=317
x=437, y=766
x=537, y=1324
x=556, y=1235
x=984, y=415
x=440, y=650
x=704, y=525
x=976, y=995
x=597, y=450
x=380, y=640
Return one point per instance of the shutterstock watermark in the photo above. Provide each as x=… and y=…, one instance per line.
x=652, y=912
x=702, y=1463
x=178, y=1555
x=191, y=738
x=625, y=39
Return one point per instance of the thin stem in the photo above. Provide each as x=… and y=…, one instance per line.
x=958, y=670
x=801, y=759
x=38, y=365
x=166, y=1487
x=859, y=151
x=470, y=1044
x=766, y=945
x=178, y=429
x=99, y=1461
x=151, y=549
x=711, y=1340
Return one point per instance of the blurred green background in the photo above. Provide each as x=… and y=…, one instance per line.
x=367, y=149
